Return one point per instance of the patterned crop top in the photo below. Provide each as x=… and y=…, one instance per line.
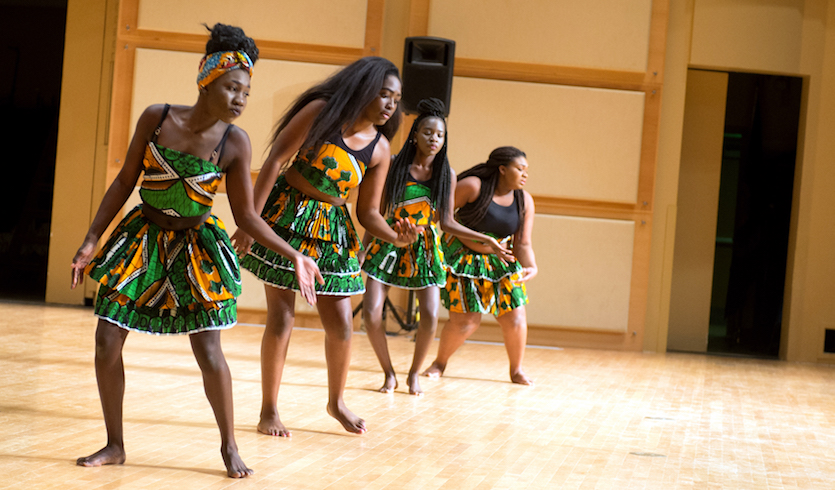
x=337, y=169
x=415, y=205
x=179, y=184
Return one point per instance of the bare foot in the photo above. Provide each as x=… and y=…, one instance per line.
x=414, y=385
x=435, y=370
x=520, y=378
x=390, y=384
x=349, y=421
x=272, y=426
x=110, y=454
x=235, y=467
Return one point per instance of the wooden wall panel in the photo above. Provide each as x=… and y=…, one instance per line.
x=322, y=22
x=585, y=273
x=737, y=35
x=605, y=34
x=582, y=143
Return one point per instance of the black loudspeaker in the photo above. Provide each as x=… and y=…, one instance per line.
x=427, y=71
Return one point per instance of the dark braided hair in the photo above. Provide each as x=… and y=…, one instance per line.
x=230, y=38
x=347, y=93
x=399, y=172
x=472, y=213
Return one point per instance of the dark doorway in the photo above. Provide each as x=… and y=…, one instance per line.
x=32, y=49
x=755, y=199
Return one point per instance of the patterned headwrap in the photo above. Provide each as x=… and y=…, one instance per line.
x=216, y=64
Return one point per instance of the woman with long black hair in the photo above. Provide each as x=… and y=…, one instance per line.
x=420, y=187
x=339, y=130
x=490, y=199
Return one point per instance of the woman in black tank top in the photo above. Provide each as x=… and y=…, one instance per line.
x=490, y=199
x=306, y=206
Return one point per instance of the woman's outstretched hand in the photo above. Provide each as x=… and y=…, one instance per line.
x=528, y=273
x=80, y=261
x=407, y=232
x=307, y=274
x=242, y=242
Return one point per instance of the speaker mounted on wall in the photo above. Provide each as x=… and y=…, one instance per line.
x=427, y=71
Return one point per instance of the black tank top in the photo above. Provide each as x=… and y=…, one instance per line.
x=363, y=155
x=500, y=221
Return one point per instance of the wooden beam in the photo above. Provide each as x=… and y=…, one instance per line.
x=558, y=75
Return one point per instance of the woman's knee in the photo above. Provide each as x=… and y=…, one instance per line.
x=514, y=320
x=339, y=333
x=207, y=351
x=109, y=342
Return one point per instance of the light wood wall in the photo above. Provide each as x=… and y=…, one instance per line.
x=788, y=37
x=577, y=85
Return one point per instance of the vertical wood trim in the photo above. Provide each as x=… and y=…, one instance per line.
x=654, y=78
x=639, y=286
x=374, y=15
x=120, y=105
x=649, y=148
x=128, y=16
x=657, y=41
x=419, y=17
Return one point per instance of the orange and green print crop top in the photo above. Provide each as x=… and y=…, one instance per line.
x=337, y=169
x=179, y=184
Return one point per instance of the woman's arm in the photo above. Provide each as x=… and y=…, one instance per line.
x=239, y=190
x=472, y=237
x=403, y=231
x=522, y=246
x=286, y=144
x=118, y=192
x=467, y=191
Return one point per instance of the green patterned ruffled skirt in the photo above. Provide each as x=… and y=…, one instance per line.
x=480, y=283
x=320, y=230
x=167, y=282
x=415, y=266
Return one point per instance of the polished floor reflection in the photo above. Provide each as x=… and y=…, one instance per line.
x=594, y=419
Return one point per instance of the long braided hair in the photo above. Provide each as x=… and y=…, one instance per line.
x=347, y=93
x=472, y=213
x=399, y=172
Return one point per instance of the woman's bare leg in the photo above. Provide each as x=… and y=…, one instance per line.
x=372, y=315
x=281, y=305
x=217, y=382
x=337, y=318
x=428, y=299
x=110, y=376
x=458, y=328
x=515, y=332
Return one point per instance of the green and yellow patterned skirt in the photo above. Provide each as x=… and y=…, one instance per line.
x=320, y=230
x=415, y=266
x=167, y=282
x=480, y=283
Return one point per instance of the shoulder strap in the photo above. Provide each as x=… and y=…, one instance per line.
x=218, y=151
x=159, y=125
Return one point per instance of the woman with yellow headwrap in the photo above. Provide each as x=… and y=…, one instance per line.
x=169, y=267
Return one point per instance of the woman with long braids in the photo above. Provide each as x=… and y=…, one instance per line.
x=420, y=187
x=340, y=130
x=490, y=199
x=169, y=267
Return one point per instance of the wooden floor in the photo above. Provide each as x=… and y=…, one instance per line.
x=594, y=420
